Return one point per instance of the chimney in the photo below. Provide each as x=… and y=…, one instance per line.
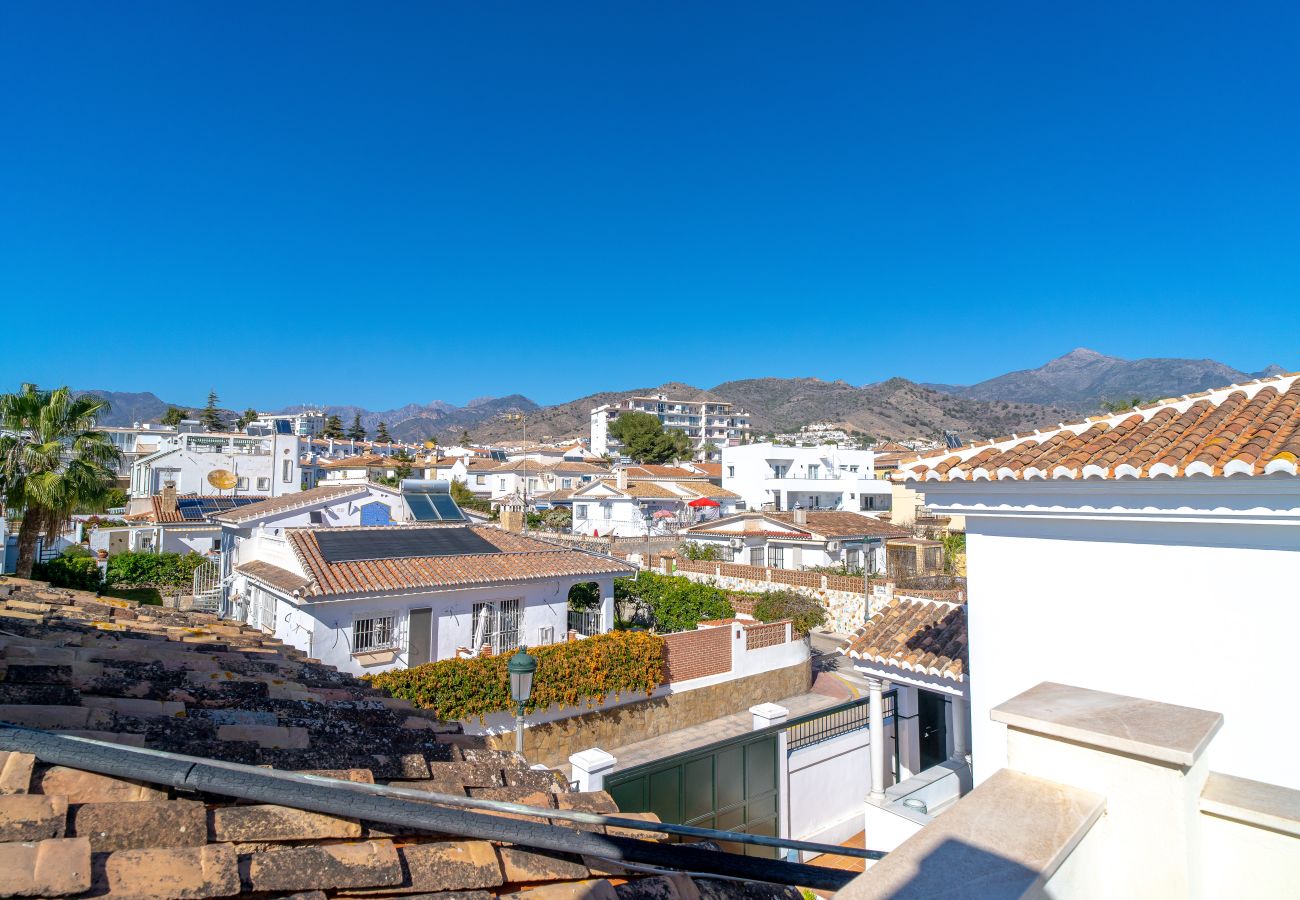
x=801, y=517
x=620, y=479
x=169, y=497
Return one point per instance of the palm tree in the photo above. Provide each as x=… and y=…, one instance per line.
x=52, y=461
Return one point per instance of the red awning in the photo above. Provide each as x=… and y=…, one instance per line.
x=703, y=501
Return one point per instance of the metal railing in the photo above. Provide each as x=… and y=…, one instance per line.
x=814, y=728
x=585, y=621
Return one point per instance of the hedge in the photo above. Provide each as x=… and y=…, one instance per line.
x=77, y=572
x=676, y=603
x=156, y=570
x=569, y=674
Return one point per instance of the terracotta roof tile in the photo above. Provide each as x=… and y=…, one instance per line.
x=520, y=559
x=292, y=501
x=915, y=636
x=90, y=835
x=1248, y=429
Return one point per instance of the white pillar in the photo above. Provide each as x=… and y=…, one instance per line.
x=590, y=768
x=958, y=706
x=766, y=714
x=876, y=726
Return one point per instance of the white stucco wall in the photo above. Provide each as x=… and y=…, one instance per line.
x=324, y=628
x=1195, y=614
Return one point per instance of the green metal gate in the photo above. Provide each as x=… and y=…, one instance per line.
x=733, y=785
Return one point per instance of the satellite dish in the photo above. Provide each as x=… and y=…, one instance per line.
x=222, y=479
x=429, y=445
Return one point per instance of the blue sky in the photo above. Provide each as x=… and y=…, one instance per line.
x=389, y=203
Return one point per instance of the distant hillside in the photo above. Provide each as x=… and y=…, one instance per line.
x=1081, y=379
x=896, y=408
x=1061, y=389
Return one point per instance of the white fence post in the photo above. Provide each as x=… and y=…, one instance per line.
x=765, y=715
x=590, y=768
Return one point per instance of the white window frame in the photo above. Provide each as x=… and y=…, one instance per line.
x=263, y=484
x=775, y=557
x=374, y=632
x=545, y=635
x=580, y=510
x=241, y=483
x=287, y=471
x=497, y=623
x=757, y=556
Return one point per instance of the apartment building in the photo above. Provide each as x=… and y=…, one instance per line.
x=774, y=477
x=705, y=420
x=264, y=464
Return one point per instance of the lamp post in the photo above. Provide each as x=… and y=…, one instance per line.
x=649, y=517
x=521, y=668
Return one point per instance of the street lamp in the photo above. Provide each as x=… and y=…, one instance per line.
x=521, y=669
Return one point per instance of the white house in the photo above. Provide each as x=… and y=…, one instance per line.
x=799, y=539
x=916, y=649
x=369, y=599
x=263, y=464
x=771, y=476
x=1152, y=553
x=625, y=507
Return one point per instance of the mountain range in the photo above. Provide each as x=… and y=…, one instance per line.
x=1073, y=384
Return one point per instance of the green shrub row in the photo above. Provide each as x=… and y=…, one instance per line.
x=569, y=675
x=70, y=571
x=675, y=603
x=157, y=570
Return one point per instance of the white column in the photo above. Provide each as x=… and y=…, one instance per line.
x=765, y=715
x=958, y=706
x=876, y=726
x=590, y=768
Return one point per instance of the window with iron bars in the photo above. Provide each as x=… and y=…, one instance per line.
x=374, y=633
x=496, y=624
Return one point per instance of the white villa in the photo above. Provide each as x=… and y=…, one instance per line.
x=371, y=598
x=628, y=507
x=263, y=464
x=1150, y=553
x=799, y=539
x=771, y=476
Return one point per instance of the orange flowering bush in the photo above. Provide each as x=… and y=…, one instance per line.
x=575, y=673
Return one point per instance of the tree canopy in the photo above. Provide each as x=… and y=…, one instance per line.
x=53, y=461
x=174, y=416
x=246, y=418
x=355, y=431
x=645, y=440
x=333, y=428
x=382, y=435
x=211, y=417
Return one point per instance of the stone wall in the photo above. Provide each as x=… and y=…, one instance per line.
x=552, y=743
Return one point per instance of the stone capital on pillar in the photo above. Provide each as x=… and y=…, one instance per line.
x=766, y=714
x=590, y=768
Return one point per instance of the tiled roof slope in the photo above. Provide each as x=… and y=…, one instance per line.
x=287, y=502
x=1249, y=429
x=184, y=682
x=520, y=559
x=916, y=636
x=841, y=523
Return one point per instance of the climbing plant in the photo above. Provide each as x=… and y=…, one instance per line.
x=572, y=674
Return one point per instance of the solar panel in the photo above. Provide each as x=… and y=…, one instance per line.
x=400, y=542
x=430, y=500
x=197, y=509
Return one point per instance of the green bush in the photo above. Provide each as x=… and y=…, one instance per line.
x=707, y=552
x=676, y=603
x=78, y=572
x=804, y=613
x=159, y=570
x=76, y=550
x=568, y=674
